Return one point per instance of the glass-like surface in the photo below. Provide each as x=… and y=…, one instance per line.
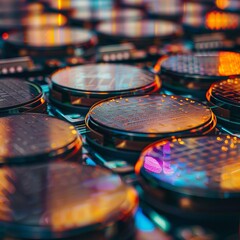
x=139, y=28
x=32, y=134
x=59, y=197
x=206, y=166
x=50, y=37
x=214, y=64
x=103, y=77
x=228, y=91
x=150, y=114
x=15, y=92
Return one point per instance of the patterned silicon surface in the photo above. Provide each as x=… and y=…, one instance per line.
x=103, y=77
x=17, y=92
x=215, y=64
x=31, y=134
x=202, y=165
x=150, y=114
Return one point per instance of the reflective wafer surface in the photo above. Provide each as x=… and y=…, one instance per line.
x=15, y=92
x=58, y=197
x=214, y=64
x=197, y=166
x=103, y=77
x=150, y=114
x=50, y=37
x=32, y=134
x=227, y=90
x=139, y=28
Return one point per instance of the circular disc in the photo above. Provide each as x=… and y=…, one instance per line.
x=60, y=200
x=227, y=91
x=50, y=37
x=138, y=29
x=15, y=93
x=33, y=20
x=83, y=4
x=150, y=114
x=32, y=137
x=206, y=66
x=103, y=78
x=171, y=8
x=106, y=14
x=202, y=166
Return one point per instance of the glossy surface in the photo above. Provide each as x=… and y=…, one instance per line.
x=50, y=37
x=61, y=197
x=34, y=20
x=203, y=166
x=206, y=64
x=227, y=91
x=150, y=114
x=14, y=93
x=104, y=78
x=33, y=134
x=106, y=14
x=139, y=29
x=84, y=4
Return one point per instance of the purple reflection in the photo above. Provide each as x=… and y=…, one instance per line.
x=160, y=161
x=151, y=164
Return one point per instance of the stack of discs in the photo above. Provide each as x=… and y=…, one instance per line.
x=18, y=96
x=65, y=201
x=78, y=88
x=194, y=73
x=32, y=138
x=50, y=42
x=142, y=33
x=194, y=181
x=122, y=127
x=224, y=99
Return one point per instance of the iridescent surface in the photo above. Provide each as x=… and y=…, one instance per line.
x=150, y=114
x=204, y=64
x=206, y=166
x=139, y=28
x=61, y=196
x=32, y=134
x=103, y=77
x=50, y=37
x=15, y=92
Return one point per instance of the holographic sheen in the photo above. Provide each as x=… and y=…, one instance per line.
x=208, y=165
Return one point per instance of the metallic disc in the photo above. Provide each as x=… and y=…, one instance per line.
x=227, y=91
x=103, y=14
x=59, y=200
x=104, y=78
x=15, y=93
x=50, y=37
x=139, y=29
x=206, y=65
x=203, y=166
x=33, y=20
x=32, y=136
x=150, y=114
